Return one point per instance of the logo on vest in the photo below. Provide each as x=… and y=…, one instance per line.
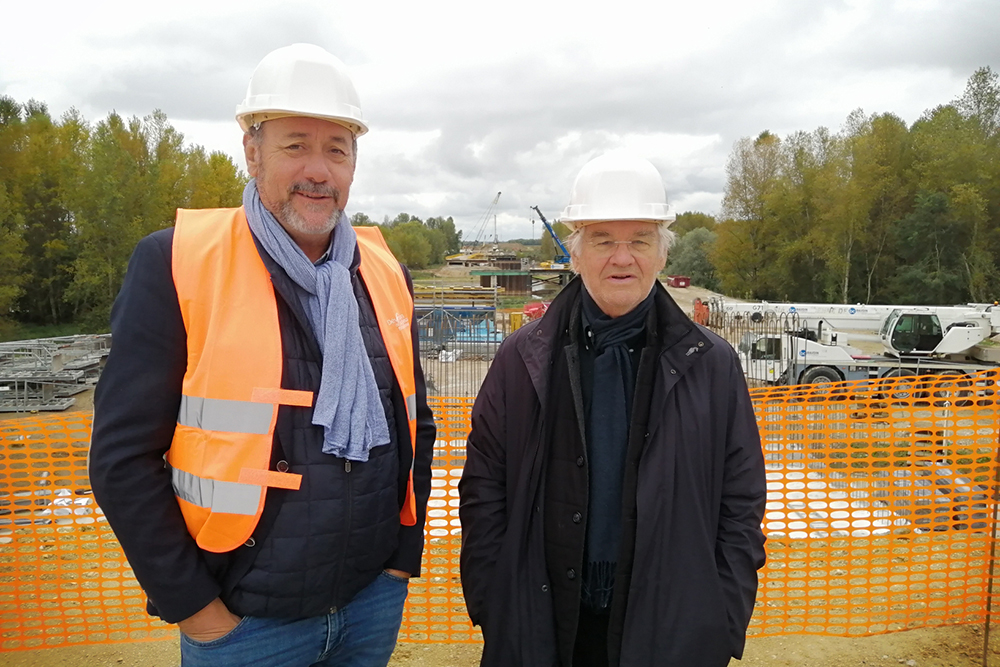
x=401, y=321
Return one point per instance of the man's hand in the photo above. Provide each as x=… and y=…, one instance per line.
x=210, y=623
x=398, y=573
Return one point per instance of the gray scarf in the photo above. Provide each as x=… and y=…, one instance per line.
x=348, y=406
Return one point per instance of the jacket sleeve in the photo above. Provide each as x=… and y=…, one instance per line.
x=483, y=490
x=739, y=546
x=135, y=410
x=409, y=553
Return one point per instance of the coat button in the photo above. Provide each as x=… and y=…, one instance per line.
x=577, y=517
x=250, y=543
x=579, y=461
x=545, y=588
x=673, y=371
x=571, y=573
x=282, y=466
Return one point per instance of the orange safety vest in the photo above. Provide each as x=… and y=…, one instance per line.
x=221, y=450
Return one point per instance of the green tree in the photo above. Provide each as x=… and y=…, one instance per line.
x=38, y=197
x=453, y=238
x=214, y=181
x=11, y=256
x=409, y=243
x=692, y=220
x=970, y=213
x=981, y=101
x=930, y=241
x=746, y=250
x=690, y=256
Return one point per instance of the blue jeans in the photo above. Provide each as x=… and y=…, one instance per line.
x=362, y=634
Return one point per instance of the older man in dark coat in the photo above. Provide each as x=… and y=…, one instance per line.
x=614, y=489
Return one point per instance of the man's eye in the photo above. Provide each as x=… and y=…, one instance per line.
x=605, y=245
x=640, y=245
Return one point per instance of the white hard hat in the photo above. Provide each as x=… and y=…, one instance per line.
x=617, y=186
x=301, y=80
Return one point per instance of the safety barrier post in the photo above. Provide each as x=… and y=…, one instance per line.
x=993, y=560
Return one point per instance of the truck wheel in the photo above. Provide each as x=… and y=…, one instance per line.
x=820, y=374
x=953, y=387
x=899, y=390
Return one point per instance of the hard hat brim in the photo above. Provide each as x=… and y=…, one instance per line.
x=247, y=119
x=574, y=224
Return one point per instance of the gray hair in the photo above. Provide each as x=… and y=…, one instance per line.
x=573, y=242
x=256, y=135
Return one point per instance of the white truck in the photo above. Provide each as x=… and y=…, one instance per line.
x=916, y=340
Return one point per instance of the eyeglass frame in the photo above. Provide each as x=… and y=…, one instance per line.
x=607, y=247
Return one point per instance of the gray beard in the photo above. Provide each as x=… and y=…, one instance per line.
x=290, y=218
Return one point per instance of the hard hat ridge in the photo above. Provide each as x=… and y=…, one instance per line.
x=301, y=80
x=617, y=186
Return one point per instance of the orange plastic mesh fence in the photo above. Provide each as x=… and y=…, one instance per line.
x=63, y=578
x=435, y=608
x=880, y=504
x=879, y=518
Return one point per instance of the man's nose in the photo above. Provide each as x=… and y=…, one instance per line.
x=316, y=168
x=622, y=254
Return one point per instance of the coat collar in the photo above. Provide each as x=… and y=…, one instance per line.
x=681, y=342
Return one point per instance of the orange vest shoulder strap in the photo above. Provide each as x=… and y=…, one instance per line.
x=393, y=307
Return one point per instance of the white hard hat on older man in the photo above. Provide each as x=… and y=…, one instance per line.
x=617, y=186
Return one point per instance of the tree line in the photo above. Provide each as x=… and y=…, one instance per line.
x=877, y=213
x=75, y=198
x=417, y=243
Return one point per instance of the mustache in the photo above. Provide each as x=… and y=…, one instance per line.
x=315, y=189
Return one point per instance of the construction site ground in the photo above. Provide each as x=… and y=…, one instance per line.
x=950, y=646
x=954, y=646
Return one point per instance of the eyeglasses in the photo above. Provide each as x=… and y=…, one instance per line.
x=638, y=247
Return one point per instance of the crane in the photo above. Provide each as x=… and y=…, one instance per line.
x=562, y=256
x=916, y=340
x=481, y=233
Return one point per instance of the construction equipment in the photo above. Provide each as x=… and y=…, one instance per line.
x=472, y=253
x=916, y=340
x=562, y=255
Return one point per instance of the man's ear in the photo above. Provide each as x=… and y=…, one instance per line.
x=251, y=150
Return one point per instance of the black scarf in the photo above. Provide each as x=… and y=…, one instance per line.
x=607, y=340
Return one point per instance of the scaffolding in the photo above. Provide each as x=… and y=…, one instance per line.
x=43, y=374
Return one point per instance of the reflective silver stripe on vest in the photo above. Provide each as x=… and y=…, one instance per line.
x=229, y=497
x=217, y=414
x=411, y=406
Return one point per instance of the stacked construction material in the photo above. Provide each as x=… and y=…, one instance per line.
x=44, y=374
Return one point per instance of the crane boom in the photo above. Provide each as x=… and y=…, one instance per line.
x=562, y=256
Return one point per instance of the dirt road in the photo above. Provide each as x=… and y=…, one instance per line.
x=956, y=646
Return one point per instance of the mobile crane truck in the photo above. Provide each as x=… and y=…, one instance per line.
x=916, y=340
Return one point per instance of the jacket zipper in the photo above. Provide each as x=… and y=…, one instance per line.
x=347, y=532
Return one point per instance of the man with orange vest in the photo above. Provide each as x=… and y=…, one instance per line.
x=262, y=442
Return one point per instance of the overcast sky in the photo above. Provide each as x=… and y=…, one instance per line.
x=468, y=99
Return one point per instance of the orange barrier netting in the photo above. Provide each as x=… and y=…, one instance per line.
x=880, y=514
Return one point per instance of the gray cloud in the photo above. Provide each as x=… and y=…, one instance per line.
x=200, y=70
x=526, y=122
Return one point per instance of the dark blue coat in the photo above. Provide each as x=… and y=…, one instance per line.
x=693, y=500
x=314, y=548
